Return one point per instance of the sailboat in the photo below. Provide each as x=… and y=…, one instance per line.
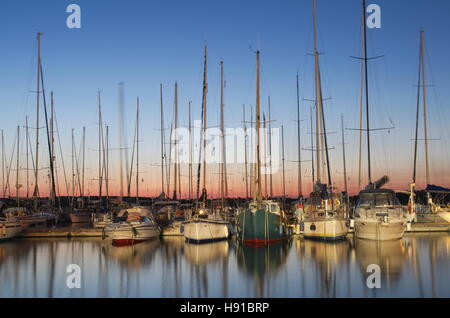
x=263, y=222
x=204, y=225
x=378, y=213
x=324, y=217
x=10, y=227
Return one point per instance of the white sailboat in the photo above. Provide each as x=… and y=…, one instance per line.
x=204, y=225
x=10, y=227
x=324, y=216
x=378, y=214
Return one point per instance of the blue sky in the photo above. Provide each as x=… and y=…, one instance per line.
x=145, y=43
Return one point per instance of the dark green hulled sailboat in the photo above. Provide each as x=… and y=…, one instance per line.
x=263, y=222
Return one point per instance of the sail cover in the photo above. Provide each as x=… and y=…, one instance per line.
x=436, y=189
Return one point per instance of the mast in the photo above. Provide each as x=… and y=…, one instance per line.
x=100, y=172
x=52, y=146
x=366, y=86
x=270, y=150
x=343, y=156
x=252, y=153
x=424, y=94
x=316, y=58
x=137, y=151
x=191, y=185
x=162, y=136
x=319, y=108
x=283, y=160
x=245, y=151
x=27, y=148
x=17, y=166
x=38, y=83
x=299, y=158
x=83, y=166
x=205, y=91
x=266, y=194
x=258, y=141
x=224, y=183
x=175, y=174
x=73, y=170
x=312, y=145
x=107, y=166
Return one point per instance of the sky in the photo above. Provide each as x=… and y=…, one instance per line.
x=147, y=43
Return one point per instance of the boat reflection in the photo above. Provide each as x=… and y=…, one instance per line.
x=260, y=264
x=330, y=260
x=391, y=256
x=132, y=256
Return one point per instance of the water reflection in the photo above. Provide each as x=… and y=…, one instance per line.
x=261, y=263
x=329, y=260
x=416, y=266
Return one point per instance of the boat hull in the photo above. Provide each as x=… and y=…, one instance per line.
x=259, y=227
x=173, y=229
x=132, y=234
x=204, y=230
x=9, y=230
x=80, y=217
x=379, y=230
x=325, y=230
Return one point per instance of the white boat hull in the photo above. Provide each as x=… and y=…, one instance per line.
x=8, y=230
x=204, y=230
x=373, y=229
x=125, y=234
x=327, y=229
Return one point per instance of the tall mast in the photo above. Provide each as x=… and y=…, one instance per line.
x=175, y=174
x=38, y=83
x=312, y=146
x=245, y=151
x=421, y=86
x=266, y=194
x=318, y=135
x=83, y=166
x=100, y=172
x=361, y=104
x=73, y=169
x=319, y=105
x=107, y=165
x=270, y=150
x=366, y=86
x=205, y=91
x=17, y=166
x=224, y=183
x=283, y=159
x=252, y=154
x=137, y=151
x=258, y=141
x=3, y=164
x=299, y=158
x=52, y=147
x=191, y=186
x=162, y=136
x=27, y=148
x=343, y=156
x=424, y=93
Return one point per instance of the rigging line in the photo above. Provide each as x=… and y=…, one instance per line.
x=61, y=153
x=9, y=169
x=52, y=172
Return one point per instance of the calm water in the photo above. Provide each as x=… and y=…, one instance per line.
x=416, y=266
